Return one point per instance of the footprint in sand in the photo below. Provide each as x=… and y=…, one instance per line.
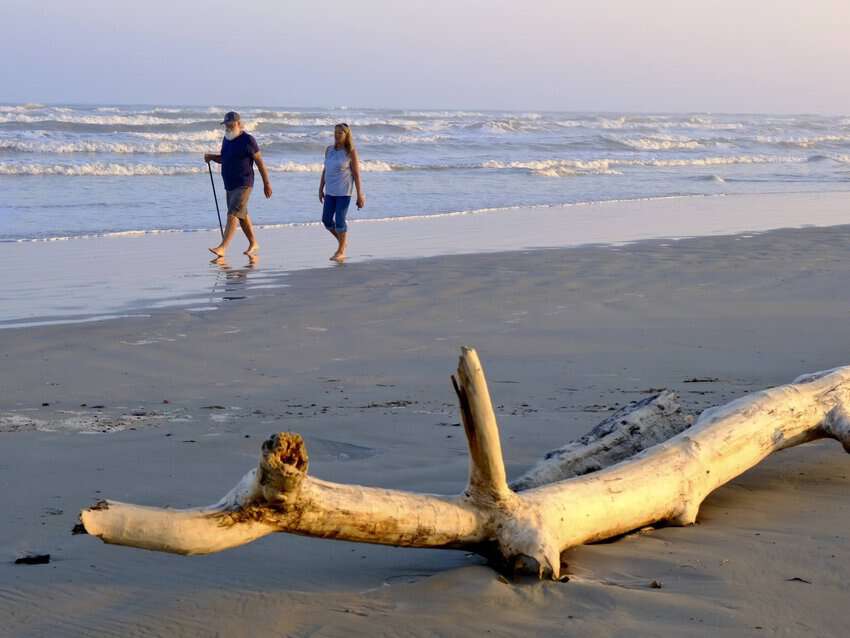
x=148, y=341
x=516, y=317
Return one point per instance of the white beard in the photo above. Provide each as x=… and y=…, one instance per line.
x=232, y=135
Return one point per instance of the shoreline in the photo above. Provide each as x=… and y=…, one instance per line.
x=95, y=279
x=370, y=220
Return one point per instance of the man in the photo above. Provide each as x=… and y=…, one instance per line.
x=239, y=152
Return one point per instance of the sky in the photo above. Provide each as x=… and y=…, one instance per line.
x=768, y=56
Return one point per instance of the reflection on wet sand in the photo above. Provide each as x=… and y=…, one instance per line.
x=230, y=282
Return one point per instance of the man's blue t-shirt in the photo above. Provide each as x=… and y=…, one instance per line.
x=237, y=161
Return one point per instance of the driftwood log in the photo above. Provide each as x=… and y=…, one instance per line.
x=644, y=465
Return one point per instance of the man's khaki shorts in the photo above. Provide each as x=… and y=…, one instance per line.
x=237, y=202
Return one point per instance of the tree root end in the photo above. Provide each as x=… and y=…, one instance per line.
x=283, y=465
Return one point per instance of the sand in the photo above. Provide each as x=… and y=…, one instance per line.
x=357, y=359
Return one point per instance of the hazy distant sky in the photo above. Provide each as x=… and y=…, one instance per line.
x=634, y=55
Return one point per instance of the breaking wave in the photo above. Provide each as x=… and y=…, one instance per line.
x=105, y=169
x=660, y=143
x=547, y=168
x=804, y=142
x=566, y=168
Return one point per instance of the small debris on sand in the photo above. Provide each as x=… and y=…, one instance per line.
x=33, y=559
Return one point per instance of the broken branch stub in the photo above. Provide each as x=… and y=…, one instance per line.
x=487, y=478
x=626, y=474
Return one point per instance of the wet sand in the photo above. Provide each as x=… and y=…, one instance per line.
x=84, y=279
x=172, y=409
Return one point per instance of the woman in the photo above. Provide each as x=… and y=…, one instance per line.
x=340, y=176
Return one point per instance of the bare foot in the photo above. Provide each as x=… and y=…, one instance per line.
x=252, y=250
x=218, y=251
x=338, y=258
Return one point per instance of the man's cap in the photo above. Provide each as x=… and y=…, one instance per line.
x=230, y=116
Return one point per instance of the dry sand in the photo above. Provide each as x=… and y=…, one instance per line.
x=357, y=359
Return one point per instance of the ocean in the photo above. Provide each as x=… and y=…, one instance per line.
x=73, y=171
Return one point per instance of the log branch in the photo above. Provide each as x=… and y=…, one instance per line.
x=628, y=431
x=279, y=496
x=641, y=466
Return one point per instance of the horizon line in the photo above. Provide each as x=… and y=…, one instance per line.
x=50, y=103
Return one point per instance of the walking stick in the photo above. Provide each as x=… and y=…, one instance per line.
x=215, y=197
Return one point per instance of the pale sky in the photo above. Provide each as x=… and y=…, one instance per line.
x=614, y=55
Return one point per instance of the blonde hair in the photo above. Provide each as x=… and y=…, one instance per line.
x=348, y=140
